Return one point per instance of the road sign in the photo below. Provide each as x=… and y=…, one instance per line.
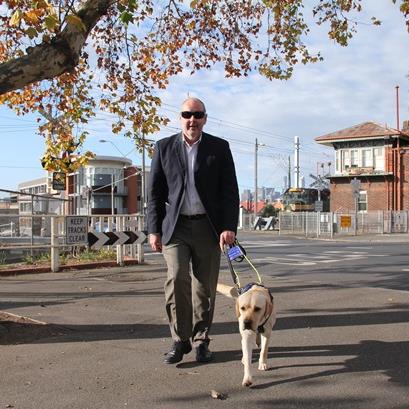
x=320, y=183
x=98, y=239
x=76, y=230
x=59, y=181
x=346, y=222
x=319, y=206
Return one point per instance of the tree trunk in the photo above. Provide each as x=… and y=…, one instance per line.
x=60, y=55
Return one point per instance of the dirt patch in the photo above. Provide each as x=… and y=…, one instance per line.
x=14, y=269
x=15, y=329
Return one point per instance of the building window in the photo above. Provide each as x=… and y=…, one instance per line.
x=354, y=158
x=379, y=162
x=362, y=201
x=345, y=162
x=367, y=158
x=102, y=202
x=101, y=179
x=360, y=157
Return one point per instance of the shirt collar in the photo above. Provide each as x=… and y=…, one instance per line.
x=193, y=144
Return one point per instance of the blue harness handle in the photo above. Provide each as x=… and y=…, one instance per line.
x=237, y=253
x=234, y=253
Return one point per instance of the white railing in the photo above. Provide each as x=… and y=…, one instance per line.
x=39, y=234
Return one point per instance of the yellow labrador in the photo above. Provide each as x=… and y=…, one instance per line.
x=256, y=315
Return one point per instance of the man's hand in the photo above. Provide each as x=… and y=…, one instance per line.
x=155, y=242
x=226, y=237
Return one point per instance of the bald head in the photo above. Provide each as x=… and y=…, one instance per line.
x=190, y=100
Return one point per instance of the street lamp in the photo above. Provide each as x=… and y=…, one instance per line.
x=116, y=147
x=255, y=177
x=143, y=173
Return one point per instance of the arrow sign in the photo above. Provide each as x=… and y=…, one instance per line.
x=141, y=236
x=96, y=240
x=118, y=238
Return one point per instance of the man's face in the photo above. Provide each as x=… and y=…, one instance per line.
x=192, y=127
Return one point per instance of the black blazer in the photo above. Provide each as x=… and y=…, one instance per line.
x=215, y=180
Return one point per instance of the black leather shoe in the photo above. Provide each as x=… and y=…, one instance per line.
x=175, y=355
x=203, y=354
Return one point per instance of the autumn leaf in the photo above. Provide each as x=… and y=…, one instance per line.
x=126, y=17
x=16, y=18
x=31, y=32
x=31, y=17
x=76, y=21
x=51, y=22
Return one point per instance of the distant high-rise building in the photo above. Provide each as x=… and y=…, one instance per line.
x=285, y=182
x=265, y=194
x=269, y=193
x=246, y=195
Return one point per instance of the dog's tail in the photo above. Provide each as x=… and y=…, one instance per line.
x=227, y=290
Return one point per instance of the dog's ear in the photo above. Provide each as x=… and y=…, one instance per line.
x=237, y=309
x=269, y=308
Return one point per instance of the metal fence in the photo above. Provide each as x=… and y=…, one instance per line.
x=347, y=223
x=23, y=236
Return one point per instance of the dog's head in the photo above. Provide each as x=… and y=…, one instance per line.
x=253, y=307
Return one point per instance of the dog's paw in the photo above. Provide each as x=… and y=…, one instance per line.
x=262, y=366
x=247, y=381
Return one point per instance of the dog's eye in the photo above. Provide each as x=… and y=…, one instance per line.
x=257, y=309
x=243, y=308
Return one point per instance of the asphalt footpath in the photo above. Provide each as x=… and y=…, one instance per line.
x=96, y=339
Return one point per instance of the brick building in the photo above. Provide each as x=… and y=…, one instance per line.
x=105, y=185
x=376, y=159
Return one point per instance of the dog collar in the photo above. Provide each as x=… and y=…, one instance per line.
x=247, y=287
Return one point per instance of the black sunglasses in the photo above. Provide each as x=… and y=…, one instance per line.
x=195, y=114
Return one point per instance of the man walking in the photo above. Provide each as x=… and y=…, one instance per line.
x=193, y=207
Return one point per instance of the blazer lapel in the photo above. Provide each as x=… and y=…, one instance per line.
x=180, y=153
x=201, y=152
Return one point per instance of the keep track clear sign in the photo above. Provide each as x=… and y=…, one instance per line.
x=76, y=228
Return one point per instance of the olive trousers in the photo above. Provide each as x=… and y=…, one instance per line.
x=193, y=261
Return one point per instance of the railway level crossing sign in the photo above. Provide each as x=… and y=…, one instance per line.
x=320, y=183
x=318, y=206
x=76, y=230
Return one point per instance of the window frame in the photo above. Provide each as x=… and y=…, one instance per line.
x=360, y=202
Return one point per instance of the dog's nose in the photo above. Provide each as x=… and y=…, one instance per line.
x=247, y=324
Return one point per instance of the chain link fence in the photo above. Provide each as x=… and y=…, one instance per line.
x=320, y=224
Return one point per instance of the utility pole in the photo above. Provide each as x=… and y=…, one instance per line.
x=112, y=194
x=255, y=177
x=289, y=171
x=296, y=161
x=255, y=181
x=143, y=179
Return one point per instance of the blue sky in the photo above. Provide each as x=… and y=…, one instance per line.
x=352, y=85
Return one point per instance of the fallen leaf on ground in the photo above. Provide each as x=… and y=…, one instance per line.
x=217, y=395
